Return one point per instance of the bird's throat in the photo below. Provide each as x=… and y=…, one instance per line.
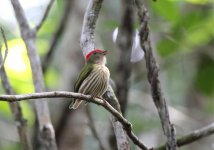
x=101, y=61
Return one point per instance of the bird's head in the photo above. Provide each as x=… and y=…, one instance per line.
x=96, y=56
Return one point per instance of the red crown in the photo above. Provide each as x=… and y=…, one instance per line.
x=90, y=53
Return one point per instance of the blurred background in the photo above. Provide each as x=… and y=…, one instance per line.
x=182, y=35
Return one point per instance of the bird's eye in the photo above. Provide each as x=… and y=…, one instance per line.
x=95, y=53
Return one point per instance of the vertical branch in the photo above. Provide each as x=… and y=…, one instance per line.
x=46, y=131
x=15, y=107
x=89, y=23
x=87, y=44
x=124, y=42
x=153, y=78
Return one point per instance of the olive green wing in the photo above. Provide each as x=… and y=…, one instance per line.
x=84, y=73
x=86, y=70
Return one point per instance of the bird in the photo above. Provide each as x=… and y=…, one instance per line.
x=93, y=78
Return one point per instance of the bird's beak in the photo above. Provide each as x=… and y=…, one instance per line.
x=105, y=52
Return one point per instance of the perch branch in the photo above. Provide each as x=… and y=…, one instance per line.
x=47, y=10
x=192, y=137
x=46, y=135
x=153, y=78
x=15, y=107
x=124, y=42
x=56, y=94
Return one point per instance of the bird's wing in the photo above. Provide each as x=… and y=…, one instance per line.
x=86, y=70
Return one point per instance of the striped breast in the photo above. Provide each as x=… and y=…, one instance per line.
x=96, y=83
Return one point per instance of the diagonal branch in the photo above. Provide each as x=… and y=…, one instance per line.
x=153, y=78
x=56, y=94
x=15, y=107
x=192, y=137
x=121, y=137
x=46, y=135
x=47, y=10
x=60, y=30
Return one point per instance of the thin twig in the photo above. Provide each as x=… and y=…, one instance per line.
x=47, y=10
x=46, y=135
x=6, y=50
x=153, y=78
x=60, y=30
x=56, y=94
x=124, y=42
x=192, y=137
x=93, y=128
x=15, y=107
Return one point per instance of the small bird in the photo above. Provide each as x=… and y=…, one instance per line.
x=94, y=77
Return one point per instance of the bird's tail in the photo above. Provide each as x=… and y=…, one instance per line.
x=75, y=104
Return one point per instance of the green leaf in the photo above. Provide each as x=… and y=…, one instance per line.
x=167, y=9
x=195, y=29
x=205, y=77
x=197, y=1
x=200, y=35
x=166, y=47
